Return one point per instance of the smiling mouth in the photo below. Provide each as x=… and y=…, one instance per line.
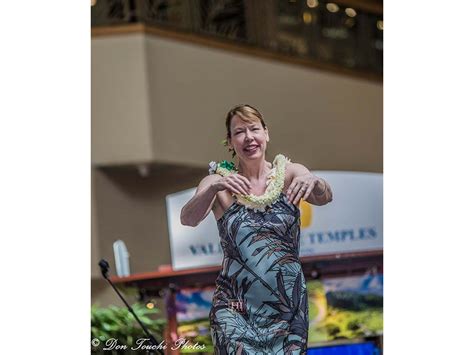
x=251, y=148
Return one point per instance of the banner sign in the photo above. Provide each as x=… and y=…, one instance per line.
x=353, y=221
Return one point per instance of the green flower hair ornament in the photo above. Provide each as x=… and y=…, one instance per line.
x=274, y=188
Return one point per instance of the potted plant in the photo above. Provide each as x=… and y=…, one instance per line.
x=115, y=328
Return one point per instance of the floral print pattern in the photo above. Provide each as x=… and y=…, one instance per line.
x=261, y=274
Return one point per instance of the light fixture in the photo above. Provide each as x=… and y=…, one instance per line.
x=332, y=7
x=351, y=12
x=312, y=3
x=380, y=25
x=307, y=17
x=349, y=22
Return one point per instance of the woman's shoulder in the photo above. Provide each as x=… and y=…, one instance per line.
x=292, y=169
x=296, y=169
x=281, y=160
x=294, y=166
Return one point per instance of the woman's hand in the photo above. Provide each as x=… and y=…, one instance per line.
x=301, y=187
x=234, y=183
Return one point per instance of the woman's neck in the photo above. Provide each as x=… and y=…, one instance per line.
x=255, y=169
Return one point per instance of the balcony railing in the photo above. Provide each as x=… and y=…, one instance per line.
x=348, y=33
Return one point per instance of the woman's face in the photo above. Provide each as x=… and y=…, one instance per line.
x=249, y=139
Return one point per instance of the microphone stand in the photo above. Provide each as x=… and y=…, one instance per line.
x=104, y=267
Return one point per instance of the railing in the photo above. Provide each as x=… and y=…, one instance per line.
x=348, y=33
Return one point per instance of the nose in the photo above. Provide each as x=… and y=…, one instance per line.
x=248, y=135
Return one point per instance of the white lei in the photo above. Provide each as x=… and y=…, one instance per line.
x=275, y=183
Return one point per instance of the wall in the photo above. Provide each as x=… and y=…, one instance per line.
x=133, y=208
x=160, y=100
x=323, y=120
x=119, y=106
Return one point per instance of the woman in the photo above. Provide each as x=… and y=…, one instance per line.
x=260, y=303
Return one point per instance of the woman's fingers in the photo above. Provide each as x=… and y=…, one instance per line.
x=308, y=190
x=242, y=181
x=290, y=191
x=298, y=194
x=232, y=189
x=302, y=191
x=239, y=180
x=236, y=185
x=245, y=180
x=294, y=189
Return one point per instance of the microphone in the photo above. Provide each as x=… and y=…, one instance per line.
x=104, y=267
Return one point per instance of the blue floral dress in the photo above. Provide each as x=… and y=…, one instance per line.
x=260, y=305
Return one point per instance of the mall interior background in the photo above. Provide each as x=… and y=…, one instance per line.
x=164, y=73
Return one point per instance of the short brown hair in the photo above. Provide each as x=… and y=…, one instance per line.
x=247, y=113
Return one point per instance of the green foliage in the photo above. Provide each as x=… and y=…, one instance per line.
x=189, y=329
x=332, y=329
x=354, y=301
x=118, y=323
x=353, y=325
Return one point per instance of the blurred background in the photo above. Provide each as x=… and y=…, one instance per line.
x=164, y=74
